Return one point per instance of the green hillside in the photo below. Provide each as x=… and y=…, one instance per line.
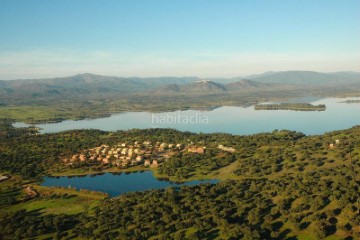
x=279, y=185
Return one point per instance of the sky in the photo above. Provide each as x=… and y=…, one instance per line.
x=205, y=38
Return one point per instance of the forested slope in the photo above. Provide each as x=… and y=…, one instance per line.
x=279, y=185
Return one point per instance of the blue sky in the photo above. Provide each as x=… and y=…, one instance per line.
x=206, y=38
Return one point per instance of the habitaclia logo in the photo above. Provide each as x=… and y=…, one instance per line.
x=178, y=118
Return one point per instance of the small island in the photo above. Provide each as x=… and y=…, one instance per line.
x=351, y=101
x=291, y=106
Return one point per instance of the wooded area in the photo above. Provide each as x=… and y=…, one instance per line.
x=274, y=186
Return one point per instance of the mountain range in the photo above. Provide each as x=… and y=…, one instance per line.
x=90, y=83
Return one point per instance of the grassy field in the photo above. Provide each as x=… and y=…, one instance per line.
x=60, y=201
x=51, y=200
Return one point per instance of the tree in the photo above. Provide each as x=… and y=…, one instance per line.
x=179, y=235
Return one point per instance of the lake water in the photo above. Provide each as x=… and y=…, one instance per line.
x=234, y=120
x=116, y=184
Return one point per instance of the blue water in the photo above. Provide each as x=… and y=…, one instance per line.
x=115, y=184
x=234, y=120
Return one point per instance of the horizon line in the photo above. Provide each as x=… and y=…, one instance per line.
x=183, y=76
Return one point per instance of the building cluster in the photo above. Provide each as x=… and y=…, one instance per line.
x=125, y=155
x=333, y=145
x=226, y=149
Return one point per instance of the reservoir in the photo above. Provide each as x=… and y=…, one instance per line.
x=234, y=120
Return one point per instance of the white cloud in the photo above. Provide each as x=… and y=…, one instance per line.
x=40, y=63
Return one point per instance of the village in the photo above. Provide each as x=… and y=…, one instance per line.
x=126, y=155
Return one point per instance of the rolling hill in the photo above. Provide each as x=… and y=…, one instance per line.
x=308, y=78
x=209, y=87
x=248, y=84
x=91, y=86
x=90, y=83
x=93, y=83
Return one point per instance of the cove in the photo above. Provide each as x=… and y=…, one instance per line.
x=117, y=184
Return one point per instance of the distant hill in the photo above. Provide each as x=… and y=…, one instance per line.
x=171, y=88
x=247, y=84
x=307, y=77
x=91, y=83
x=206, y=86
x=200, y=86
x=260, y=75
x=90, y=95
x=225, y=80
